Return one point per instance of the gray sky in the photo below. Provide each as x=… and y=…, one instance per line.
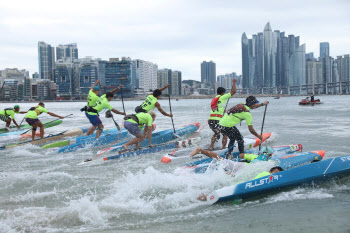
x=173, y=34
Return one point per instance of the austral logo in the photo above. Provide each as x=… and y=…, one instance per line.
x=345, y=158
x=260, y=182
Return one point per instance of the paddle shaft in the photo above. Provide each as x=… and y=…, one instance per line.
x=46, y=123
x=171, y=113
x=262, y=128
x=121, y=90
x=2, y=86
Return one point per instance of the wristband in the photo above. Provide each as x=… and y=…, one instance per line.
x=262, y=104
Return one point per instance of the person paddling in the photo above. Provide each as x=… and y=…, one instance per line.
x=100, y=104
x=93, y=96
x=151, y=102
x=8, y=114
x=135, y=123
x=234, y=116
x=32, y=118
x=218, y=105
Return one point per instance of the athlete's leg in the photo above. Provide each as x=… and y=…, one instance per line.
x=210, y=154
x=99, y=130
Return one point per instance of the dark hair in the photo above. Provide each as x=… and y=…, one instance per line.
x=41, y=104
x=278, y=168
x=157, y=92
x=250, y=100
x=109, y=94
x=220, y=90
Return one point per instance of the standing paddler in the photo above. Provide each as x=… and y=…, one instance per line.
x=32, y=118
x=151, y=102
x=93, y=96
x=234, y=116
x=92, y=112
x=8, y=114
x=218, y=105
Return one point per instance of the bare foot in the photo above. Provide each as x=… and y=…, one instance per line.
x=202, y=198
x=195, y=151
x=125, y=146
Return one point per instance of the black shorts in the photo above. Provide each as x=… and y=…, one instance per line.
x=3, y=118
x=214, y=126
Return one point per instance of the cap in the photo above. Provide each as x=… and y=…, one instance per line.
x=96, y=88
x=16, y=106
x=251, y=100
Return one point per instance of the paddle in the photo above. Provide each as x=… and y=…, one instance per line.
x=22, y=122
x=172, y=117
x=121, y=90
x=262, y=128
x=2, y=86
x=46, y=123
x=110, y=115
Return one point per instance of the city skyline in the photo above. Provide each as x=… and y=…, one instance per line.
x=144, y=30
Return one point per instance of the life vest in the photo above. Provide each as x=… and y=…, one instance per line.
x=6, y=109
x=35, y=108
x=132, y=117
x=214, y=103
x=237, y=109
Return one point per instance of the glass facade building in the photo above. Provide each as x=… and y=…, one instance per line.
x=46, y=56
x=324, y=49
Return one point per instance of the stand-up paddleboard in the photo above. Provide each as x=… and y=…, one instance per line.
x=67, y=133
x=148, y=150
x=308, y=174
x=249, y=143
x=201, y=166
x=46, y=125
x=160, y=137
x=14, y=128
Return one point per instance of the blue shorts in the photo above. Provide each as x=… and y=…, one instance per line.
x=133, y=128
x=31, y=121
x=94, y=119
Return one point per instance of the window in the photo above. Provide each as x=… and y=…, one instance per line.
x=63, y=79
x=86, y=78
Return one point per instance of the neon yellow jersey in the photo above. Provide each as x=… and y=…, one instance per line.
x=262, y=175
x=221, y=107
x=92, y=98
x=101, y=104
x=250, y=157
x=149, y=103
x=33, y=114
x=234, y=119
x=10, y=113
x=144, y=119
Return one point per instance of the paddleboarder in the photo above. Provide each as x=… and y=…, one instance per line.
x=32, y=118
x=100, y=104
x=151, y=102
x=93, y=96
x=236, y=115
x=135, y=123
x=218, y=107
x=8, y=114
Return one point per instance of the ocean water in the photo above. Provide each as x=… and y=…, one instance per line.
x=41, y=192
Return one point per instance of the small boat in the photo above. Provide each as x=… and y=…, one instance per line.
x=307, y=174
x=309, y=102
x=177, y=99
x=277, y=97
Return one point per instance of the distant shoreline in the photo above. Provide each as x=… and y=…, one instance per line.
x=173, y=98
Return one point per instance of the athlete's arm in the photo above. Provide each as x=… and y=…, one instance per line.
x=54, y=115
x=163, y=88
x=262, y=104
x=234, y=88
x=22, y=112
x=114, y=90
x=92, y=88
x=148, y=134
x=117, y=112
x=14, y=121
x=252, y=131
x=162, y=111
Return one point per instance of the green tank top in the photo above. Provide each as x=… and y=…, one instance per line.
x=149, y=103
x=92, y=98
x=219, y=112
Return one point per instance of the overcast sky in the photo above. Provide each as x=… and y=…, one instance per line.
x=173, y=34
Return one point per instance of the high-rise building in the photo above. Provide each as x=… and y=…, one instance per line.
x=324, y=49
x=119, y=72
x=164, y=78
x=272, y=59
x=225, y=80
x=313, y=72
x=145, y=75
x=176, y=88
x=309, y=56
x=343, y=66
x=64, y=78
x=68, y=51
x=46, y=55
x=208, y=73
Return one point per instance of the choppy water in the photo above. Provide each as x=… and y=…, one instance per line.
x=50, y=193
